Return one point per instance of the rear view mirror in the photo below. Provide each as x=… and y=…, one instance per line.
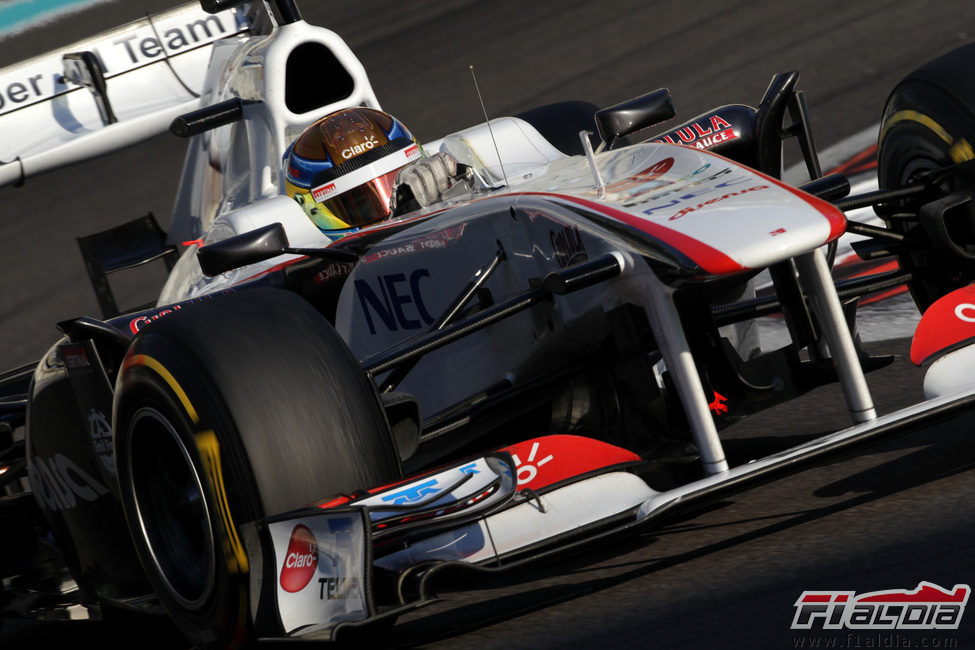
x=254, y=246
x=258, y=245
x=634, y=114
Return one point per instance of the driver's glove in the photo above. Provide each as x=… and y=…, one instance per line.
x=424, y=182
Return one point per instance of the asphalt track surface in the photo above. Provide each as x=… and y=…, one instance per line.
x=885, y=518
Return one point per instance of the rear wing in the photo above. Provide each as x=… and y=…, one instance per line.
x=111, y=90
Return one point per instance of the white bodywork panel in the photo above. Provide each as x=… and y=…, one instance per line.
x=555, y=513
x=320, y=566
x=154, y=71
x=951, y=373
x=521, y=146
x=235, y=165
x=187, y=280
x=719, y=213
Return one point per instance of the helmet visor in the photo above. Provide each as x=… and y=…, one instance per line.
x=364, y=204
x=358, y=193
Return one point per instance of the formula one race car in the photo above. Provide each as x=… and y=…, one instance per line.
x=303, y=435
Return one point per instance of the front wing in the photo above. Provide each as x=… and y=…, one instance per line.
x=359, y=559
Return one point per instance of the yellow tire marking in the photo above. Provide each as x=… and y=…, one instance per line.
x=233, y=550
x=959, y=150
x=209, y=448
x=160, y=369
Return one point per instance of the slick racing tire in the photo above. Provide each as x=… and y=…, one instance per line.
x=235, y=408
x=929, y=123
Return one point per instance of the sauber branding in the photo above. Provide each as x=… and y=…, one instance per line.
x=169, y=35
x=703, y=134
x=928, y=607
x=300, y=561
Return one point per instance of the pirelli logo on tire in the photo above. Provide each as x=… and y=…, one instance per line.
x=209, y=450
x=206, y=442
x=959, y=149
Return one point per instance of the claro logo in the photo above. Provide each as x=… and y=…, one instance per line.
x=362, y=147
x=59, y=483
x=300, y=560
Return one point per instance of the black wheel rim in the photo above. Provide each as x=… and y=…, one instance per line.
x=171, y=507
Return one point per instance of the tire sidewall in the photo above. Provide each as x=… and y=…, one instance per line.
x=924, y=127
x=221, y=617
x=263, y=376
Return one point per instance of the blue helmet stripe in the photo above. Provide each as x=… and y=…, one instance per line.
x=302, y=172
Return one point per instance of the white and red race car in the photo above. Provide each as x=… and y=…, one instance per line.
x=521, y=369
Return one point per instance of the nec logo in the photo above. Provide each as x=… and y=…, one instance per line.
x=395, y=300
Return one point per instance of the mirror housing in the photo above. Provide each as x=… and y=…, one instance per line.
x=248, y=248
x=633, y=115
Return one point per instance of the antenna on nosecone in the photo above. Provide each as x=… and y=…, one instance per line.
x=490, y=130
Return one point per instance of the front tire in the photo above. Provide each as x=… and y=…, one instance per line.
x=928, y=124
x=240, y=407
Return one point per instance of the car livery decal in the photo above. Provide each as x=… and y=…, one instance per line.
x=548, y=460
x=60, y=484
x=723, y=216
x=947, y=324
x=395, y=299
x=136, y=324
x=321, y=567
x=702, y=134
x=709, y=259
x=300, y=560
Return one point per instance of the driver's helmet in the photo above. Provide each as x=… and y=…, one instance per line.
x=341, y=169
